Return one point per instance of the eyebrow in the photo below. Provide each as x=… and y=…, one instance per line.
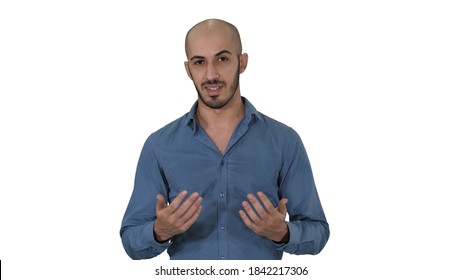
x=218, y=54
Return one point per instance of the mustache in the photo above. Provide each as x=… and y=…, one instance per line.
x=213, y=82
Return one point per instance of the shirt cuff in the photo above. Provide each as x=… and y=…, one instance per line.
x=294, y=235
x=148, y=235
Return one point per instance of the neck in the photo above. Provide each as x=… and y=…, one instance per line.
x=227, y=116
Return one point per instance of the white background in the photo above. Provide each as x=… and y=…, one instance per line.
x=372, y=87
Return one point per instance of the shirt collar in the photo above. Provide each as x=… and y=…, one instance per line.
x=250, y=114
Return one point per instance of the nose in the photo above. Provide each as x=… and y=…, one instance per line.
x=212, y=73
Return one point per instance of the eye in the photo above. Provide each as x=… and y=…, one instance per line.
x=223, y=58
x=198, y=62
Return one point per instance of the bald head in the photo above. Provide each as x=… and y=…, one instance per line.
x=210, y=29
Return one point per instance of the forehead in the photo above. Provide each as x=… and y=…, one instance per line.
x=206, y=41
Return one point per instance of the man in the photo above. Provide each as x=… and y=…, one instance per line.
x=218, y=182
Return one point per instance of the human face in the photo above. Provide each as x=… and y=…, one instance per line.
x=215, y=92
x=214, y=67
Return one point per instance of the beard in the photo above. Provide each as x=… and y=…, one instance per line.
x=215, y=103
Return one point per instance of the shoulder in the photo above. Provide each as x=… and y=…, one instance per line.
x=170, y=131
x=276, y=127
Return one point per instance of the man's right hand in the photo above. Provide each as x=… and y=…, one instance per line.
x=177, y=217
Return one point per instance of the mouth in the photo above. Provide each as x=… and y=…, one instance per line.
x=213, y=90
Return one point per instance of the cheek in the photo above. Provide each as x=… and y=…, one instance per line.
x=196, y=75
x=197, y=82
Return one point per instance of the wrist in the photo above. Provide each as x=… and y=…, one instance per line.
x=285, y=236
x=160, y=238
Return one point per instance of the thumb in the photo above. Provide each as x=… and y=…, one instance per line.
x=160, y=202
x=282, y=208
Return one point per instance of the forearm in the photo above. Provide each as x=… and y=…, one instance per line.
x=139, y=242
x=137, y=231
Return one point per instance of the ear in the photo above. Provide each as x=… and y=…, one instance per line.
x=186, y=66
x=243, y=59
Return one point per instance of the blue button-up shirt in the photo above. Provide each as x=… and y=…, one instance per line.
x=262, y=155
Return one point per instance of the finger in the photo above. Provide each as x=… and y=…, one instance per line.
x=246, y=220
x=266, y=202
x=282, y=206
x=160, y=203
x=261, y=211
x=250, y=212
x=177, y=201
x=193, y=219
x=191, y=211
x=186, y=204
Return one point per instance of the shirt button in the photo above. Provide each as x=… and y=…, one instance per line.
x=223, y=258
x=222, y=227
x=222, y=195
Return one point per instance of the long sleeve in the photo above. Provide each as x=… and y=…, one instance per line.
x=138, y=222
x=308, y=227
x=262, y=155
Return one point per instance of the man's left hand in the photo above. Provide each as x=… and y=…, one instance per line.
x=266, y=220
